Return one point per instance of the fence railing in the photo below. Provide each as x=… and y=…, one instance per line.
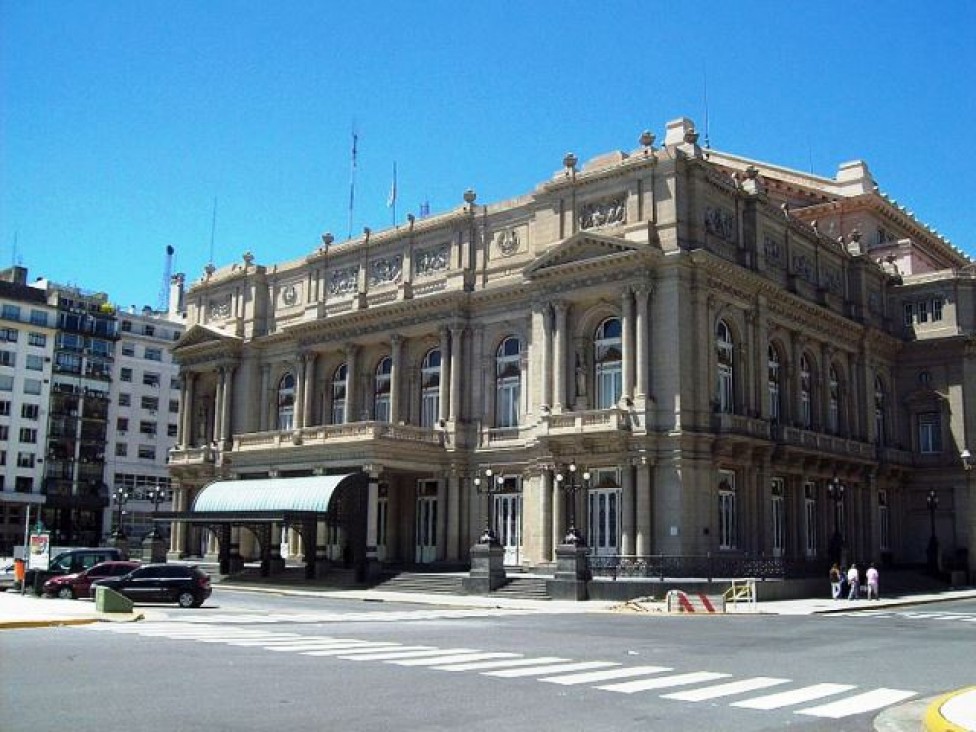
x=699, y=566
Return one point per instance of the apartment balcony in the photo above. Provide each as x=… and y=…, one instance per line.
x=819, y=442
x=191, y=456
x=584, y=422
x=740, y=425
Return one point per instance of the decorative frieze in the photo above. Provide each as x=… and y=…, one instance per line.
x=290, y=294
x=385, y=269
x=773, y=251
x=428, y=262
x=720, y=222
x=508, y=242
x=219, y=309
x=832, y=281
x=343, y=281
x=608, y=212
x=803, y=268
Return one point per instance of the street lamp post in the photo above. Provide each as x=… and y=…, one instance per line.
x=932, y=501
x=835, y=489
x=569, y=483
x=485, y=487
x=121, y=498
x=156, y=496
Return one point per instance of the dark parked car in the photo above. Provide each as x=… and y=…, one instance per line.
x=184, y=584
x=70, y=561
x=73, y=586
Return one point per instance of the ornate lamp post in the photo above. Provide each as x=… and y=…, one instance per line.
x=122, y=497
x=835, y=490
x=932, y=501
x=490, y=484
x=156, y=496
x=569, y=482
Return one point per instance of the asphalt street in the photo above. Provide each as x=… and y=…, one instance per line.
x=265, y=662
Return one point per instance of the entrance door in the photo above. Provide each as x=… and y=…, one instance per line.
x=382, y=513
x=604, y=521
x=426, y=541
x=508, y=524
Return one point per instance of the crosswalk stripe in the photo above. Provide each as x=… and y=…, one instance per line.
x=514, y=673
x=456, y=658
x=727, y=689
x=663, y=682
x=589, y=677
x=866, y=702
x=309, y=645
x=796, y=696
x=507, y=663
x=395, y=655
x=271, y=642
x=364, y=648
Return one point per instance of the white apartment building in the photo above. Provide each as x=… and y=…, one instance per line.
x=27, y=334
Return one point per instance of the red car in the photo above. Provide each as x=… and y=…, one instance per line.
x=73, y=586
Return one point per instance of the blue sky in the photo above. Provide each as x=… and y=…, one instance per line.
x=122, y=122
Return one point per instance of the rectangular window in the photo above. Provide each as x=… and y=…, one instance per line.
x=174, y=383
x=38, y=317
x=810, y=518
x=937, y=310
x=150, y=379
x=8, y=358
x=121, y=449
x=147, y=452
x=125, y=400
x=929, y=433
x=25, y=459
x=125, y=374
x=909, y=314
x=149, y=331
x=28, y=435
x=778, y=515
x=174, y=406
x=35, y=362
x=147, y=428
x=24, y=484
x=6, y=382
x=122, y=424
x=172, y=430
x=923, y=312
x=30, y=411
x=153, y=354
x=10, y=312
x=128, y=349
x=150, y=403
x=4, y=432
x=31, y=386
x=884, y=522
x=126, y=326
x=36, y=339
x=8, y=335
x=726, y=511
x=4, y=408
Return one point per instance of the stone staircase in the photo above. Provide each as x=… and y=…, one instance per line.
x=524, y=588
x=421, y=582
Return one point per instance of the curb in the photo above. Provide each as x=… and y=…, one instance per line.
x=933, y=719
x=15, y=624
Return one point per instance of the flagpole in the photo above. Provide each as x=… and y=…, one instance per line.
x=352, y=179
x=393, y=195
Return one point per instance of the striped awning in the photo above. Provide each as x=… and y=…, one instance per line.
x=306, y=494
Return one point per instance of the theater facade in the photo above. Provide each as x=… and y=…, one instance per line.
x=674, y=350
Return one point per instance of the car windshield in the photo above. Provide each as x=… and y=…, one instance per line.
x=62, y=561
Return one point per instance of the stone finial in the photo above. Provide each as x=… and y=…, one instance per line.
x=248, y=258
x=327, y=240
x=366, y=232
x=411, y=219
x=470, y=196
x=209, y=270
x=647, y=140
x=569, y=162
x=855, y=235
x=691, y=136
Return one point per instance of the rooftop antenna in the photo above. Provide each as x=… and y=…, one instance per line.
x=352, y=176
x=213, y=230
x=708, y=144
x=163, y=304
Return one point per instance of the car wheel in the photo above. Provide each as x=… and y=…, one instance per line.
x=187, y=599
x=66, y=593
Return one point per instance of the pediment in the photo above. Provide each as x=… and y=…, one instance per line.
x=199, y=335
x=580, y=248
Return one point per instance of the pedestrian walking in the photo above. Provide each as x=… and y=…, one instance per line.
x=872, y=578
x=843, y=582
x=835, y=582
x=854, y=582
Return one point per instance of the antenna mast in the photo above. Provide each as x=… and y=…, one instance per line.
x=163, y=304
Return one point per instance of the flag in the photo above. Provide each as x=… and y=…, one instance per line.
x=391, y=200
x=425, y=209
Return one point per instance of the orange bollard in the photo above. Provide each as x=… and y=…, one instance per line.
x=19, y=570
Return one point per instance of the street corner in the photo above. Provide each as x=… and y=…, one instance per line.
x=952, y=712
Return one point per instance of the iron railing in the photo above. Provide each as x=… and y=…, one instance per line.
x=703, y=566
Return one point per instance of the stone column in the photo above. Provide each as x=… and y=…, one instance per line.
x=559, y=340
x=372, y=509
x=642, y=334
x=644, y=543
x=352, y=401
x=308, y=377
x=218, y=410
x=299, y=397
x=558, y=514
x=226, y=399
x=177, y=531
x=396, y=354
x=264, y=409
x=627, y=345
x=545, y=315
x=545, y=516
x=627, y=516
x=452, y=547
x=186, y=409
x=442, y=516
x=444, y=395
x=454, y=407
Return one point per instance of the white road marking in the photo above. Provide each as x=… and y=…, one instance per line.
x=456, y=658
x=508, y=663
x=396, y=655
x=365, y=648
x=514, y=673
x=858, y=704
x=663, y=682
x=796, y=696
x=728, y=689
x=590, y=677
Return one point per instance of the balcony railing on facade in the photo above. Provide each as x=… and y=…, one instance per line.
x=335, y=433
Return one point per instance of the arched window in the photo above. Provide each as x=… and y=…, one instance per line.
x=508, y=382
x=880, y=404
x=381, y=390
x=774, y=379
x=607, y=363
x=339, y=394
x=806, y=392
x=833, y=401
x=286, y=402
x=725, y=351
x=727, y=516
x=430, y=388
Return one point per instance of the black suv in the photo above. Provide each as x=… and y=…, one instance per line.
x=184, y=584
x=69, y=562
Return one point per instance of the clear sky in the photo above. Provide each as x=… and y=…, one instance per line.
x=122, y=122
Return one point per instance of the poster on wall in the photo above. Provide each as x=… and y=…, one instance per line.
x=40, y=551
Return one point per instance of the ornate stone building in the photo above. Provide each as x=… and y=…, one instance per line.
x=735, y=357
